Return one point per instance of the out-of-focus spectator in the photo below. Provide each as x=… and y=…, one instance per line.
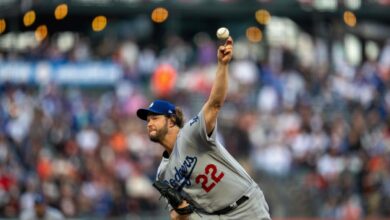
x=41, y=210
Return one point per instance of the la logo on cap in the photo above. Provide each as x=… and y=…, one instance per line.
x=151, y=104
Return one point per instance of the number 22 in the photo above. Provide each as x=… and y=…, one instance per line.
x=203, y=179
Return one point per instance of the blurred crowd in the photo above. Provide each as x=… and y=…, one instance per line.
x=87, y=153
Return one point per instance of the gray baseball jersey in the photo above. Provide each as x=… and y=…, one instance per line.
x=201, y=167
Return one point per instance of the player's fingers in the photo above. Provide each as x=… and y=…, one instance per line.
x=226, y=59
x=229, y=41
x=228, y=49
x=226, y=52
x=184, y=204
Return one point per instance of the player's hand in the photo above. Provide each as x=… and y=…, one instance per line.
x=225, y=52
x=176, y=216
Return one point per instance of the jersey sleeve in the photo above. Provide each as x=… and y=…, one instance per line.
x=195, y=130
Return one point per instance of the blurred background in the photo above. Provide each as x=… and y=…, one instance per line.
x=307, y=115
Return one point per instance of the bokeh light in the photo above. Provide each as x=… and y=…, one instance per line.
x=29, y=18
x=65, y=41
x=349, y=18
x=41, y=32
x=262, y=16
x=61, y=11
x=99, y=23
x=353, y=4
x=254, y=34
x=159, y=15
x=372, y=50
x=3, y=25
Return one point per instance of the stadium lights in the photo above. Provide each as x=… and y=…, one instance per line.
x=325, y=5
x=18, y=41
x=29, y=18
x=66, y=41
x=262, y=16
x=282, y=31
x=372, y=50
x=349, y=18
x=41, y=32
x=159, y=15
x=99, y=23
x=61, y=11
x=254, y=34
x=352, y=49
x=353, y=4
x=3, y=25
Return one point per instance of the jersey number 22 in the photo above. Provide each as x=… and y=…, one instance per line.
x=204, y=178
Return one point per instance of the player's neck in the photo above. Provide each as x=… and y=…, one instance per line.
x=170, y=139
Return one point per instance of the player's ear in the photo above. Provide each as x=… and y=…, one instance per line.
x=171, y=122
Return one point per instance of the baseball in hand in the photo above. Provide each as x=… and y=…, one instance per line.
x=222, y=33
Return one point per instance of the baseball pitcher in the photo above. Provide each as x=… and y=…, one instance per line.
x=197, y=175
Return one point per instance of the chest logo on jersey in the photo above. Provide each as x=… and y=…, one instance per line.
x=194, y=120
x=183, y=173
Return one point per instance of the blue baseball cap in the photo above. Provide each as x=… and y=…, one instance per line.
x=158, y=107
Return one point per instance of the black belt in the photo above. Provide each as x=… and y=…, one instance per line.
x=231, y=206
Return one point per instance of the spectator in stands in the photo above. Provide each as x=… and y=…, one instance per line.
x=41, y=211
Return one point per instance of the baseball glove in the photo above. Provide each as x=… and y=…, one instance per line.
x=174, y=197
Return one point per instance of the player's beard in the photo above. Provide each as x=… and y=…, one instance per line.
x=160, y=134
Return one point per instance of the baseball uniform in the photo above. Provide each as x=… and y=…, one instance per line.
x=209, y=177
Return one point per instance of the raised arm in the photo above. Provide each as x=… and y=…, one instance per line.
x=220, y=86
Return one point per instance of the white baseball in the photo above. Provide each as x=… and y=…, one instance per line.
x=222, y=33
